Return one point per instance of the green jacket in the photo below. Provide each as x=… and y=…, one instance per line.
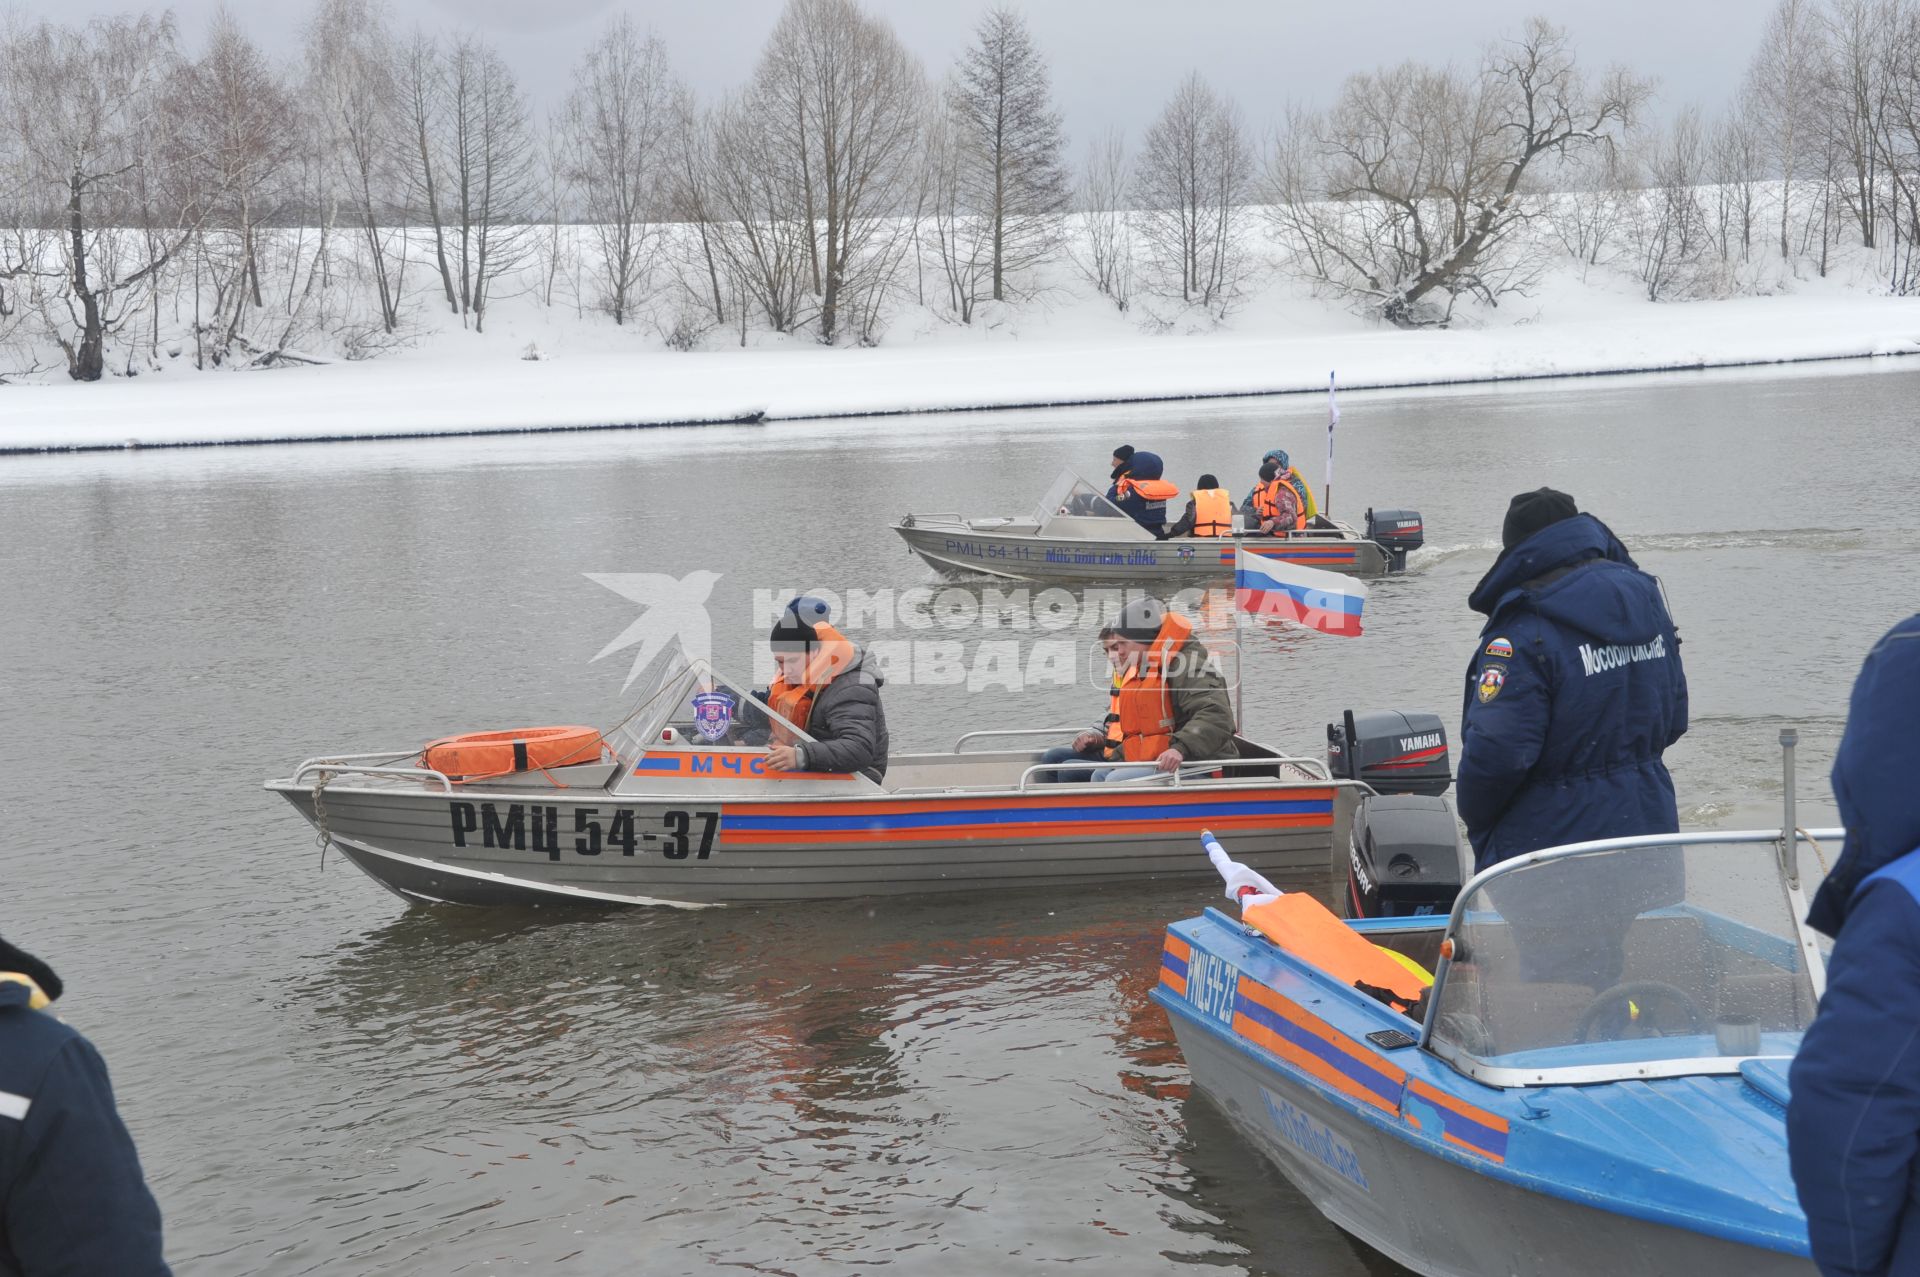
x=1202, y=709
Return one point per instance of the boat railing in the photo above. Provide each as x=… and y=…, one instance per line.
x=348, y=765
x=1192, y=770
x=1010, y=732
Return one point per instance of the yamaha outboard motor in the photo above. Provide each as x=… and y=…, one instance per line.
x=1398, y=532
x=1404, y=858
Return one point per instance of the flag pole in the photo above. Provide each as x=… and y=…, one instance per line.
x=1333, y=419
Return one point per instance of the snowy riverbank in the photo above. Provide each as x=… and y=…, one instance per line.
x=1078, y=350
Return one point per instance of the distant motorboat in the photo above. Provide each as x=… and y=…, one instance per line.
x=1076, y=533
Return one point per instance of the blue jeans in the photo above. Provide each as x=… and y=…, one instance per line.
x=1067, y=754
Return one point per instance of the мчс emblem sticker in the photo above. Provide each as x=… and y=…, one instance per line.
x=1492, y=679
x=1500, y=647
x=712, y=715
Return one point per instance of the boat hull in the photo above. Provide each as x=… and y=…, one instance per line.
x=958, y=549
x=1439, y=1217
x=1455, y=1179
x=490, y=848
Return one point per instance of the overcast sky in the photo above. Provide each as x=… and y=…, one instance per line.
x=1113, y=61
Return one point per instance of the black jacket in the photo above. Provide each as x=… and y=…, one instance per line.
x=72, y=1198
x=848, y=724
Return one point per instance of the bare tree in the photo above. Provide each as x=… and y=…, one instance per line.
x=1105, y=255
x=757, y=185
x=491, y=170
x=844, y=102
x=1784, y=82
x=1737, y=164
x=1191, y=186
x=353, y=90
x=1005, y=145
x=80, y=103
x=1858, y=35
x=617, y=135
x=236, y=123
x=692, y=199
x=1594, y=196
x=423, y=87
x=1429, y=170
x=1669, y=232
x=1899, y=145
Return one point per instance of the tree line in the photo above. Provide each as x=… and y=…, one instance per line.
x=160, y=201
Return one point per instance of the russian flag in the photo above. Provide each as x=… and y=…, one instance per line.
x=1307, y=596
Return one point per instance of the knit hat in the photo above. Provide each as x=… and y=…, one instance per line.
x=1208, y=481
x=794, y=631
x=1139, y=620
x=1123, y=453
x=1529, y=512
x=18, y=960
x=1279, y=457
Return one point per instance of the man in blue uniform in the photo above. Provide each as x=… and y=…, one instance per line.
x=72, y=1199
x=1853, y=1124
x=1574, y=691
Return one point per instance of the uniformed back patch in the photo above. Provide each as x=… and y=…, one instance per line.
x=1492, y=679
x=1500, y=647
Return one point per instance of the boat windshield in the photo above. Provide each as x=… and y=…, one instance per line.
x=690, y=704
x=1071, y=495
x=1655, y=959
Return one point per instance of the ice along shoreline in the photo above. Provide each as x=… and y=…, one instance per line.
x=482, y=392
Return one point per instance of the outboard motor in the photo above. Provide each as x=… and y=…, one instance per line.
x=1398, y=532
x=1404, y=858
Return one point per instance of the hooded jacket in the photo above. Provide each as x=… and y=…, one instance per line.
x=1574, y=690
x=1151, y=515
x=72, y=1197
x=848, y=724
x=1853, y=1123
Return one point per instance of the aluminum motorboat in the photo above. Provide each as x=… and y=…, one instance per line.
x=1595, y=1081
x=677, y=806
x=1076, y=533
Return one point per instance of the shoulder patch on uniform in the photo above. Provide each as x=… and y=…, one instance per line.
x=1500, y=647
x=1492, y=679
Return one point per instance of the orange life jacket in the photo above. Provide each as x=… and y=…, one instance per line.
x=1266, y=501
x=1212, y=512
x=828, y=656
x=1146, y=708
x=1308, y=930
x=1150, y=489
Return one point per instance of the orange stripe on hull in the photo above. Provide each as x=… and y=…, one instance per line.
x=1022, y=829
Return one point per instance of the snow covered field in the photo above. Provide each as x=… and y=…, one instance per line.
x=1071, y=346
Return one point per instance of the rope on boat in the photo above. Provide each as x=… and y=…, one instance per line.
x=1819, y=853
x=322, y=834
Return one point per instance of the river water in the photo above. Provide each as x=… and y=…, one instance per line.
x=322, y=1080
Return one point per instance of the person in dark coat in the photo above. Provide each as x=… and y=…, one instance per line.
x=1185, y=524
x=72, y=1198
x=1122, y=462
x=1574, y=692
x=826, y=673
x=1853, y=1121
x=1148, y=511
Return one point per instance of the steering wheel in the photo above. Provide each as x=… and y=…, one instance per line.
x=1638, y=991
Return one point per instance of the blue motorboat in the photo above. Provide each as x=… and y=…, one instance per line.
x=1595, y=1082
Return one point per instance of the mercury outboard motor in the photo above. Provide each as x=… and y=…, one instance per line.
x=1398, y=532
x=1404, y=858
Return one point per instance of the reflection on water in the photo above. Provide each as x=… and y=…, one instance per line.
x=324, y=1082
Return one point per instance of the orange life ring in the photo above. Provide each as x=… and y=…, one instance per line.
x=476, y=755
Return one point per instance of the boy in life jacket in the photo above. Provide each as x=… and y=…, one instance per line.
x=1173, y=708
x=1209, y=512
x=824, y=689
x=1275, y=504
